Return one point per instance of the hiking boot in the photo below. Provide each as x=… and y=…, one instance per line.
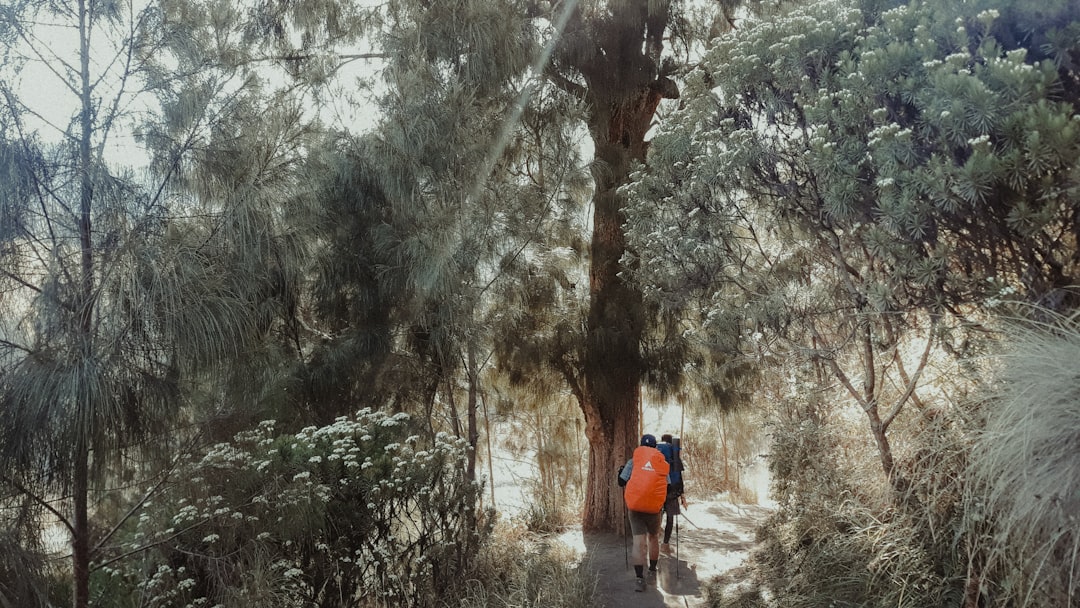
x=665, y=548
x=639, y=585
x=652, y=574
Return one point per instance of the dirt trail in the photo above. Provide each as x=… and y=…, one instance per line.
x=714, y=537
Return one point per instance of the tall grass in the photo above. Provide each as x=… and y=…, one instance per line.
x=516, y=569
x=839, y=537
x=1026, y=468
x=989, y=517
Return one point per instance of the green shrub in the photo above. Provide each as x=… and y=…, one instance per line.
x=840, y=538
x=356, y=513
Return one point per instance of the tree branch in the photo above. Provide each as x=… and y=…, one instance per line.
x=21, y=281
x=914, y=378
x=574, y=89
x=16, y=346
x=839, y=373
x=136, y=507
x=41, y=501
x=112, y=560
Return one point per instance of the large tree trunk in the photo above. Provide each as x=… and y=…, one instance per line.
x=612, y=437
x=613, y=366
x=80, y=534
x=618, y=55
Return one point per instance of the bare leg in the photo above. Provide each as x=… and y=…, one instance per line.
x=654, y=547
x=637, y=556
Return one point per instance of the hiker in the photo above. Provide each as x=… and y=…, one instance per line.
x=644, y=479
x=671, y=448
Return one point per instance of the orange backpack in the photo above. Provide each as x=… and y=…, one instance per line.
x=647, y=488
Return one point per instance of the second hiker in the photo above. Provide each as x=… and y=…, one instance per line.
x=671, y=448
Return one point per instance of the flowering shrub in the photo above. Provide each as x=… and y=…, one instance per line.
x=359, y=512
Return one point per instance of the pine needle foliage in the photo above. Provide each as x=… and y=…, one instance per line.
x=22, y=568
x=128, y=293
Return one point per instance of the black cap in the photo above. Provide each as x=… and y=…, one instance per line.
x=648, y=440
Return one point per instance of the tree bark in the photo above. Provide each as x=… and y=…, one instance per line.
x=613, y=366
x=723, y=447
x=80, y=542
x=472, y=430
x=623, y=89
x=80, y=535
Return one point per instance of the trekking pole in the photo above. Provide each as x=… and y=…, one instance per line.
x=677, y=545
x=626, y=550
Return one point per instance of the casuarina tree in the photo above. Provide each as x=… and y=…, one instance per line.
x=120, y=288
x=610, y=65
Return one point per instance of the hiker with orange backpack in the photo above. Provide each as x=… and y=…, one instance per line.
x=644, y=479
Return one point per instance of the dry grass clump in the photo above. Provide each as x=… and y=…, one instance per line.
x=840, y=537
x=717, y=450
x=517, y=569
x=988, y=515
x=547, y=512
x=850, y=554
x=1026, y=469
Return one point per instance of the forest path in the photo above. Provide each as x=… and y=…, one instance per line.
x=715, y=537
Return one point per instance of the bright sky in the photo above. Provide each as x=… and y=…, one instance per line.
x=44, y=85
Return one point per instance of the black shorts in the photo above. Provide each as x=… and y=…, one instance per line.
x=644, y=523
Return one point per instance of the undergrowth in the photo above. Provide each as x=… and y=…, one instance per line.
x=1026, y=470
x=517, y=569
x=839, y=538
x=984, y=513
x=547, y=512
